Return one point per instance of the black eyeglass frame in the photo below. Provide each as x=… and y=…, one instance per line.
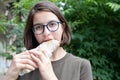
x=58, y=22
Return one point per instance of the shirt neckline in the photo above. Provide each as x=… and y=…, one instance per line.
x=61, y=60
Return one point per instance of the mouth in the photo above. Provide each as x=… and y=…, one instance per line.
x=47, y=40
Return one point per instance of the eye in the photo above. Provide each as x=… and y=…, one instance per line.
x=52, y=24
x=38, y=27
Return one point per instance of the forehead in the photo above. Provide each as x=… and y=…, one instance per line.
x=44, y=17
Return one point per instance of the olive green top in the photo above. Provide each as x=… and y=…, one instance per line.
x=69, y=67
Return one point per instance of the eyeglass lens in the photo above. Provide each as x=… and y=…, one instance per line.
x=51, y=26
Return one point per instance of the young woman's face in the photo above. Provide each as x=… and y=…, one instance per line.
x=44, y=18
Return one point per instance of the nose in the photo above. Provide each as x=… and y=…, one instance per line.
x=46, y=31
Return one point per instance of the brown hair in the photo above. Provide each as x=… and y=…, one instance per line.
x=29, y=38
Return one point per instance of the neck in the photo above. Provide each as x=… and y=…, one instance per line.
x=58, y=54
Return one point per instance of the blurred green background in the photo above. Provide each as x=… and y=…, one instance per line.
x=95, y=28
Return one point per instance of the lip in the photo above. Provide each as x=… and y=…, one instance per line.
x=47, y=40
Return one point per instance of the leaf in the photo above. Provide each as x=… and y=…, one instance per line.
x=114, y=6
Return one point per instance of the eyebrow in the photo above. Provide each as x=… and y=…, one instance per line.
x=44, y=24
x=37, y=24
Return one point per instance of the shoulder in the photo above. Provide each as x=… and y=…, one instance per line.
x=82, y=61
x=84, y=64
x=84, y=67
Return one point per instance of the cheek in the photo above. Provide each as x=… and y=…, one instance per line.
x=38, y=38
x=58, y=34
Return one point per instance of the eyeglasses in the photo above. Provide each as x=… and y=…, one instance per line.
x=52, y=26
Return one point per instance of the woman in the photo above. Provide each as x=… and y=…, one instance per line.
x=61, y=65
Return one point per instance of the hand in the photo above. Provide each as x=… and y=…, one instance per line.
x=44, y=64
x=20, y=61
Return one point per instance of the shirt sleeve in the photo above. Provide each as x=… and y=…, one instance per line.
x=86, y=71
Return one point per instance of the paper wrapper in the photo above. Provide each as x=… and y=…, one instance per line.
x=49, y=47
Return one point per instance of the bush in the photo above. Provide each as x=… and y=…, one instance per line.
x=96, y=35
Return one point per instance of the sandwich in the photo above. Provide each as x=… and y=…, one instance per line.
x=48, y=46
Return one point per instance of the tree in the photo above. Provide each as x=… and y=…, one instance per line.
x=96, y=35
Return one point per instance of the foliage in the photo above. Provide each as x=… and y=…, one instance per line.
x=114, y=6
x=2, y=24
x=7, y=55
x=19, y=11
x=96, y=35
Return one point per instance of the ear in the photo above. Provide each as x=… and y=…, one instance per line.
x=63, y=26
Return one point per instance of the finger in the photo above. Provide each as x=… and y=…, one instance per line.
x=40, y=55
x=20, y=64
x=26, y=66
x=36, y=59
x=45, y=53
x=32, y=50
x=28, y=61
x=23, y=55
x=24, y=59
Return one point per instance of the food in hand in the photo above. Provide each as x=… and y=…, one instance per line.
x=48, y=46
